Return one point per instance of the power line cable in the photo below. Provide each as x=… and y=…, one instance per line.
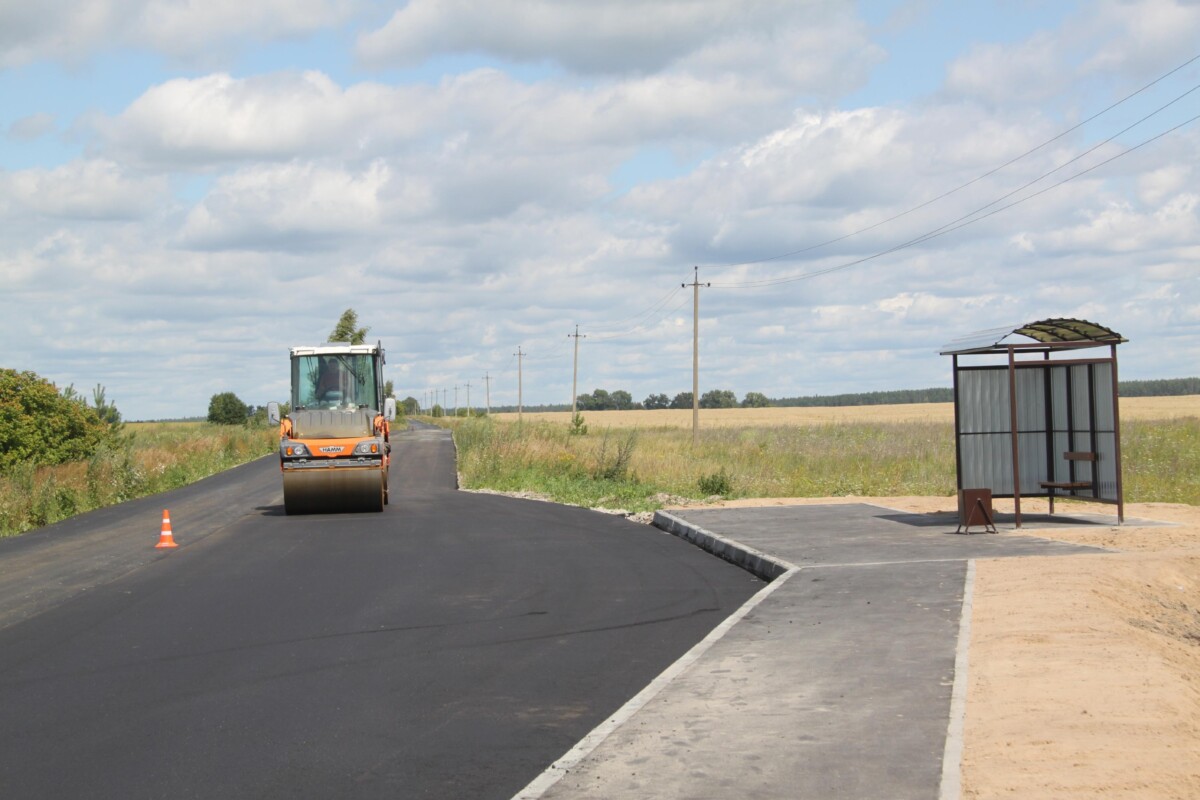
x=623, y=321
x=644, y=326
x=944, y=230
x=961, y=222
x=971, y=182
x=1068, y=162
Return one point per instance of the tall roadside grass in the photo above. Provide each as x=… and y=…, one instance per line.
x=150, y=457
x=642, y=469
x=646, y=468
x=1161, y=461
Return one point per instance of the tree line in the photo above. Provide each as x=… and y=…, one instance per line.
x=621, y=400
x=1167, y=387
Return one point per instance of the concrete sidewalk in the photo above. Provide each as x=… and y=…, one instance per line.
x=835, y=681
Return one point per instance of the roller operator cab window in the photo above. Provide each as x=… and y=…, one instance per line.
x=333, y=381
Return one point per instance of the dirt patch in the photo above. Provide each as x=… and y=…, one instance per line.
x=1084, y=670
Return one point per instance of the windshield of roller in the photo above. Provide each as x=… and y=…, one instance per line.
x=333, y=381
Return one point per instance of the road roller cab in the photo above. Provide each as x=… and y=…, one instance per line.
x=334, y=447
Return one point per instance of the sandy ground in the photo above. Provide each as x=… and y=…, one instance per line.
x=1084, y=676
x=1131, y=408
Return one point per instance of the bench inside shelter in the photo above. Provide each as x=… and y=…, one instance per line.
x=1074, y=481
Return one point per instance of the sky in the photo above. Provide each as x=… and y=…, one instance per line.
x=187, y=190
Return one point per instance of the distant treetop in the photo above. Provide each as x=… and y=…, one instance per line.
x=347, y=329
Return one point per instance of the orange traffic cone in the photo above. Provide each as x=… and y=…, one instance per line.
x=165, y=539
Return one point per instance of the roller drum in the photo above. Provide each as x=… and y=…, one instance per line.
x=333, y=491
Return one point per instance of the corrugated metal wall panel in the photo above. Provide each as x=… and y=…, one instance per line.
x=1106, y=464
x=1104, y=392
x=1032, y=449
x=983, y=401
x=987, y=462
x=1058, y=390
x=1031, y=401
x=1080, y=407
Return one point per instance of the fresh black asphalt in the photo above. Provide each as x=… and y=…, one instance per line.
x=452, y=646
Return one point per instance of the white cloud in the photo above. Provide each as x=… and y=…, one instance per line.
x=214, y=120
x=217, y=118
x=1132, y=40
x=86, y=189
x=190, y=28
x=72, y=31
x=32, y=127
x=1002, y=74
x=1138, y=38
x=223, y=217
x=56, y=28
x=613, y=36
x=291, y=206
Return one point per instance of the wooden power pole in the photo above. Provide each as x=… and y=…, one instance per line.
x=575, y=375
x=695, y=284
x=520, y=398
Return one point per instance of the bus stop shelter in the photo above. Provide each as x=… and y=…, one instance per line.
x=1044, y=421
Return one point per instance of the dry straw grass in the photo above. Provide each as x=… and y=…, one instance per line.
x=150, y=457
x=640, y=459
x=1132, y=408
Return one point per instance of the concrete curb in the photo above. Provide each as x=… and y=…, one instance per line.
x=951, y=785
x=754, y=561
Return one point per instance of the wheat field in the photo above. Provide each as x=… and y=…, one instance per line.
x=1132, y=408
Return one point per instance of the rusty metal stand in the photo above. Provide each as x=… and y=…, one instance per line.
x=975, y=508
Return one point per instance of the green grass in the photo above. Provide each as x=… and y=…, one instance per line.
x=149, y=458
x=1161, y=461
x=633, y=469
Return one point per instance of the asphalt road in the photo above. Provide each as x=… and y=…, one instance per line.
x=453, y=646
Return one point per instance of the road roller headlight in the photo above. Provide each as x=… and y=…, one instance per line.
x=296, y=449
x=370, y=448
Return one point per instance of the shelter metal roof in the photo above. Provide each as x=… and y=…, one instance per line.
x=1050, y=334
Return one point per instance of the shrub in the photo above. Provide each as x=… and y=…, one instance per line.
x=612, y=464
x=718, y=398
x=226, y=409
x=715, y=483
x=40, y=425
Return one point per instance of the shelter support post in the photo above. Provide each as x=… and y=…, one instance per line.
x=1016, y=445
x=1116, y=405
x=958, y=465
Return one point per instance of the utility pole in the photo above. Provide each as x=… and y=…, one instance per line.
x=456, y=401
x=520, y=381
x=468, y=399
x=695, y=284
x=575, y=375
x=487, y=389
